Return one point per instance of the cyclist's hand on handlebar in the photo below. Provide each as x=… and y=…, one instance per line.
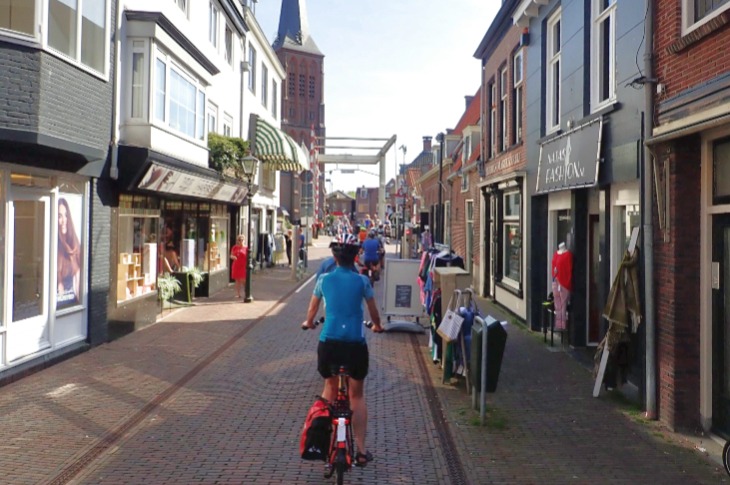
x=307, y=325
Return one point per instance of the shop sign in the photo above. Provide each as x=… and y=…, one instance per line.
x=570, y=160
x=160, y=178
x=502, y=164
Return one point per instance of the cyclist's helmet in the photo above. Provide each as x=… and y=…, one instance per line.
x=345, y=244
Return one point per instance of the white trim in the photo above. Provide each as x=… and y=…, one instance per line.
x=597, y=61
x=553, y=84
x=688, y=25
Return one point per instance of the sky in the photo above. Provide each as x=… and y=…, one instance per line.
x=391, y=67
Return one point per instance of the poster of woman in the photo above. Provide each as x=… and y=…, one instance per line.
x=69, y=251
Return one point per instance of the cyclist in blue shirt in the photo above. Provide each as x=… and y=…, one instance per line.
x=342, y=340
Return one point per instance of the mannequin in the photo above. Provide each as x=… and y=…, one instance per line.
x=562, y=273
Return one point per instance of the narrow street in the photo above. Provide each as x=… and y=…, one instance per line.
x=217, y=393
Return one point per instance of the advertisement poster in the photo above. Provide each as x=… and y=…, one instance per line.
x=70, y=255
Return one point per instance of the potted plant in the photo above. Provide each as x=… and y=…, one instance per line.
x=167, y=286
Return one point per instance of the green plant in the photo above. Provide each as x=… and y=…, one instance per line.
x=167, y=286
x=225, y=154
x=195, y=275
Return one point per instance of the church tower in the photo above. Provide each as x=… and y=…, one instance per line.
x=302, y=96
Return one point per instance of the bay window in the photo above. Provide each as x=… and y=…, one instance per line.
x=78, y=29
x=138, y=108
x=18, y=16
x=179, y=99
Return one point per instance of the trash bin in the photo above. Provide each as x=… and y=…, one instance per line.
x=496, y=342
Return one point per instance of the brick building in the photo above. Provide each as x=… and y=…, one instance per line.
x=690, y=147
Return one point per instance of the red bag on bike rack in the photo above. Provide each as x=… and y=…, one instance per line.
x=317, y=432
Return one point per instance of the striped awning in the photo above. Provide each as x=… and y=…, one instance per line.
x=277, y=149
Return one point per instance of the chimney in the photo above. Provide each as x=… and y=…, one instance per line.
x=426, y=143
x=468, y=100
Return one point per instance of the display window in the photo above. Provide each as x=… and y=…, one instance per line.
x=138, y=246
x=217, y=250
x=512, y=238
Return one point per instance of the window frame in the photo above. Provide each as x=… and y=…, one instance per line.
x=274, y=99
x=211, y=112
x=264, y=85
x=492, y=119
x=24, y=37
x=688, y=14
x=599, y=63
x=228, y=45
x=509, y=220
x=504, y=107
x=252, y=71
x=143, y=49
x=213, y=24
x=553, y=81
x=517, y=87
x=185, y=7
x=42, y=16
x=227, y=125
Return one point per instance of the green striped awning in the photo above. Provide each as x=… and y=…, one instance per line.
x=277, y=149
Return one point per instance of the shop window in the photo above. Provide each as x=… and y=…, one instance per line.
x=721, y=171
x=18, y=16
x=138, y=246
x=563, y=229
x=196, y=235
x=512, y=238
x=216, y=252
x=68, y=17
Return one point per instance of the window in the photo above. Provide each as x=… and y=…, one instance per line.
x=466, y=153
x=312, y=90
x=699, y=12
x=229, y=45
x=290, y=85
x=511, y=238
x=447, y=222
x=252, y=72
x=18, y=16
x=139, y=218
x=180, y=102
x=212, y=118
x=603, y=57
x=264, y=86
x=138, y=98
x=227, y=124
x=268, y=178
x=492, y=120
x=517, y=82
x=504, y=99
x=464, y=181
x=213, y=24
x=302, y=79
x=553, y=73
x=182, y=5
x=469, y=216
x=77, y=29
x=274, y=99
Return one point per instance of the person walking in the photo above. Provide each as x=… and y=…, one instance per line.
x=287, y=238
x=239, y=256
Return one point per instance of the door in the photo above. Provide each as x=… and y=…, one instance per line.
x=720, y=273
x=594, y=306
x=28, y=284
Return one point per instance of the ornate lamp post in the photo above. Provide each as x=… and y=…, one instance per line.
x=250, y=165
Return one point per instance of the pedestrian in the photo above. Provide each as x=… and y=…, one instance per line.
x=287, y=238
x=239, y=256
x=342, y=339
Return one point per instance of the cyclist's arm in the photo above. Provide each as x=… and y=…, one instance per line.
x=312, y=312
x=374, y=315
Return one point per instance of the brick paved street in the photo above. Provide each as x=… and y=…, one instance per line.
x=215, y=393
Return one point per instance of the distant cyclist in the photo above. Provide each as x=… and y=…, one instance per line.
x=342, y=340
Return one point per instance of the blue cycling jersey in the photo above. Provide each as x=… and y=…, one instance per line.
x=343, y=291
x=371, y=248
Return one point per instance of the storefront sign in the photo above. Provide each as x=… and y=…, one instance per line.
x=160, y=178
x=571, y=160
x=503, y=164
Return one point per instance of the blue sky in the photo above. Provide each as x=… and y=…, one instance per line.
x=392, y=67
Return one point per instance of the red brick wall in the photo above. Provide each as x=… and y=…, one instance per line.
x=677, y=289
x=698, y=62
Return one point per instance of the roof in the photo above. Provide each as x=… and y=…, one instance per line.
x=293, y=31
x=469, y=118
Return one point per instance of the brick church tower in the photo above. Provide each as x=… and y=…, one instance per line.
x=302, y=97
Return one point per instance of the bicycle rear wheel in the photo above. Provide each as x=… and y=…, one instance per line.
x=340, y=466
x=726, y=457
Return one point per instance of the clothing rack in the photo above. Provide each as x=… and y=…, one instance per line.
x=442, y=247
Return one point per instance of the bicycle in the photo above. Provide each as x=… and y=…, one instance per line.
x=341, y=453
x=726, y=457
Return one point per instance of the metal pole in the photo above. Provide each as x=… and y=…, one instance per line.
x=440, y=211
x=483, y=394
x=249, y=266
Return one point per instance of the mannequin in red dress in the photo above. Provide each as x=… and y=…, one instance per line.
x=562, y=273
x=239, y=256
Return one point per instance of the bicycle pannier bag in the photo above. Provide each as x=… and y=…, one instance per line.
x=317, y=432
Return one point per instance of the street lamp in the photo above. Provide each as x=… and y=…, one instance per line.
x=250, y=165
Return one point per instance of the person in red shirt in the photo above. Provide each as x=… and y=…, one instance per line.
x=562, y=273
x=239, y=255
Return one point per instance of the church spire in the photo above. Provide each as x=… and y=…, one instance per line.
x=294, y=28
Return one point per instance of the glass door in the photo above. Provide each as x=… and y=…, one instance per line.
x=28, y=273
x=721, y=325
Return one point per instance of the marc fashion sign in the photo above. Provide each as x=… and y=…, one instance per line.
x=571, y=160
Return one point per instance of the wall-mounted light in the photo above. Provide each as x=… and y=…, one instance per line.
x=525, y=37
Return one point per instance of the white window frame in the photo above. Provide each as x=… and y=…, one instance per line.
x=172, y=64
x=469, y=225
x=464, y=180
x=42, y=13
x=493, y=122
x=553, y=61
x=138, y=46
x=504, y=106
x=688, y=14
x=25, y=37
x=511, y=220
x=228, y=45
x=211, y=117
x=598, y=60
x=213, y=23
x=518, y=75
x=274, y=99
x=227, y=125
x=264, y=85
x=252, y=71
x=183, y=5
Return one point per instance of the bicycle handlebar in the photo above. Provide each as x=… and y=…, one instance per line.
x=318, y=321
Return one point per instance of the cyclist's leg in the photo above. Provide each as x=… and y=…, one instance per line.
x=330, y=389
x=359, y=413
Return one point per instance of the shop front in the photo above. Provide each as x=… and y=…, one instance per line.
x=172, y=217
x=44, y=243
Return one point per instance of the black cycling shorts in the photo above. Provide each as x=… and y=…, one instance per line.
x=335, y=353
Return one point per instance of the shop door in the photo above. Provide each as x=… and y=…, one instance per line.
x=594, y=306
x=28, y=273
x=721, y=324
